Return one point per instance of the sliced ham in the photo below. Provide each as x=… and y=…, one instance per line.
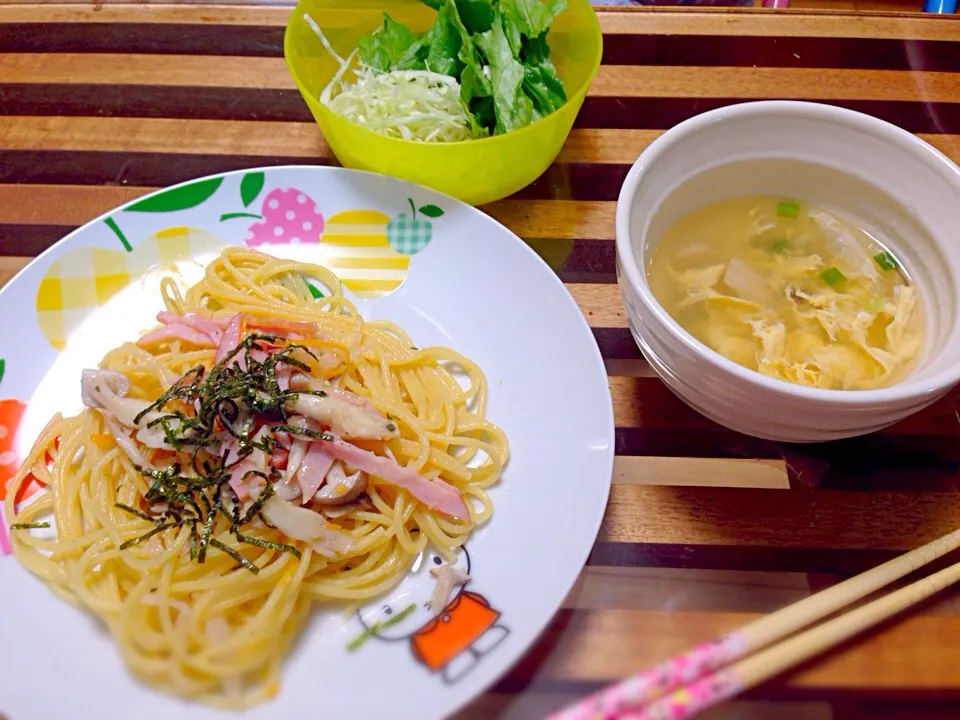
x=194, y=320
x=313, y=469
x=177, y=331
x=277, y=326
x=230, y=339
x=435, y=494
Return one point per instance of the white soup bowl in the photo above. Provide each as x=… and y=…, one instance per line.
x=897, y=185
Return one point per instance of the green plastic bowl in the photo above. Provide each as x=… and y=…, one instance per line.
x=475, y=171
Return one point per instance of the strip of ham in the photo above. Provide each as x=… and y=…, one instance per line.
x=435, y=494
x=313, y=469
x=194, y=320
x=277, y=326
x=230, y=339
x=177, y=331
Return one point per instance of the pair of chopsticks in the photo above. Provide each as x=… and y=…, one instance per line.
x=715, y=671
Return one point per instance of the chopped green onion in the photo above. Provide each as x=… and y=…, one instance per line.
x=886, y=261
x=778, y=246
x=874, y=304
x=381, y=625
x=788, y=209
x=30, y=526
x=832, y=276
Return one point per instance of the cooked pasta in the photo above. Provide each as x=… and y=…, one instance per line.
x=262, y=449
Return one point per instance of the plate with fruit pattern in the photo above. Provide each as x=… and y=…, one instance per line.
x=446, y=273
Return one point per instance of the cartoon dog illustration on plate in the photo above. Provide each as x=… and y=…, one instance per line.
x=449, y=627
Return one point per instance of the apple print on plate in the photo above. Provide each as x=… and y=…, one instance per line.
x=368, y=250
x=289, y=217
x=408, y=234
x=85, y=278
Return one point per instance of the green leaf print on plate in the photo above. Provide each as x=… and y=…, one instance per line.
x=250, y=187
x=178, y=198
x=431, y=211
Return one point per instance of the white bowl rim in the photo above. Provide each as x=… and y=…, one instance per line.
x=630, y=270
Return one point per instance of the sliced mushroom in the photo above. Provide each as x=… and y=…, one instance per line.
x=347, y=413
x=338, y=511
x=126, y=443
x=308, y=526
x=290, y=486
x=344, y=418
x=104, y=390
x=93, y=383
x=447, y=577
x=339, y=487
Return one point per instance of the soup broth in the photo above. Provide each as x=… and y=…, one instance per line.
x=791, y=290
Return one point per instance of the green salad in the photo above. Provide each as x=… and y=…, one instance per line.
x=482, y=69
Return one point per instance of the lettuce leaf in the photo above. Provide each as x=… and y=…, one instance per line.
x=391, y=45
x=473, y=83
x=540, y=81
x=477, y=15
x=514, y=109
x=496, y=49
x=445, y=40
x=532, y=17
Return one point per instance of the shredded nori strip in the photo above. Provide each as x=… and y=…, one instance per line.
x=229, y=398
x=30, y=526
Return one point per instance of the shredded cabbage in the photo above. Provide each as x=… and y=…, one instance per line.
x=415, y=105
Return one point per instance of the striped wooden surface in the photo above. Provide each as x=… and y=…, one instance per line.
x=706, y=528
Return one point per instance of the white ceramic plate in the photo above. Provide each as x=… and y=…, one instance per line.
x=470, y=284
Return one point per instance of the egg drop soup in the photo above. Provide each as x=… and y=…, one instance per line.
x=795, y=291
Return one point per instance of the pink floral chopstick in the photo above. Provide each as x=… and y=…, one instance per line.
x=637, y=691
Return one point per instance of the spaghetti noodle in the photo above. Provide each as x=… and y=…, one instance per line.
x=264, y=448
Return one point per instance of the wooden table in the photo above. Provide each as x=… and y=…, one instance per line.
x=706, y=529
